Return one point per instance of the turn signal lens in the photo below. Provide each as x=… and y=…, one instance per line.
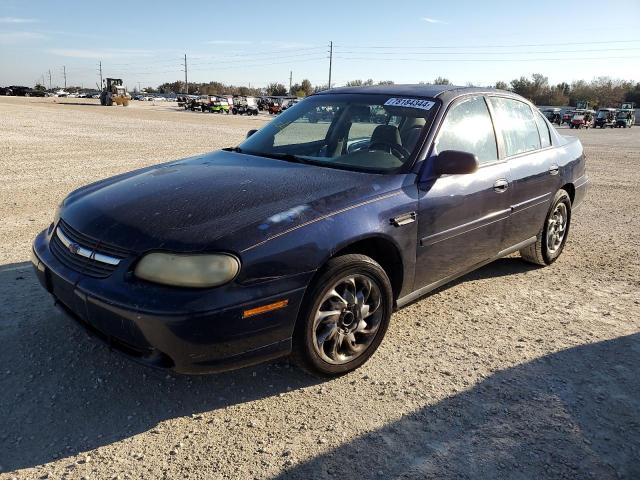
x=265, y=308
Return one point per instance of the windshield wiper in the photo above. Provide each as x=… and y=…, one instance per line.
x=233, y=149
x=288, y=157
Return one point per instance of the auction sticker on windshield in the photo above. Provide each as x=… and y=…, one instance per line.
x=410, y=102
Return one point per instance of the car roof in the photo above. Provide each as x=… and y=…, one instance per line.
x=444, y=92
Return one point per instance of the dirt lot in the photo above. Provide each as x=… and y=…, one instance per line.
x=512, y=372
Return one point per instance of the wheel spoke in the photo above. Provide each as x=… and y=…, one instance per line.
x=335, y=346
x=326, y=315
x=333, y=294
x=349, y=293
x=328, y=334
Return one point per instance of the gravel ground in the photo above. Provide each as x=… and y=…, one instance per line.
x=511, y=372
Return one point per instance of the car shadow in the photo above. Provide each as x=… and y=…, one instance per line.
x=64, y=392
x=570, y=414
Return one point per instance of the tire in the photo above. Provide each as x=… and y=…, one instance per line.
x=540, y=252
x=333, y=356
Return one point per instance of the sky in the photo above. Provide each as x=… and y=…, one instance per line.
x=256, y=43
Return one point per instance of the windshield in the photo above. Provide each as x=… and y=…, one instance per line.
x=604, y=113
x=373, y=133
x=624, y=114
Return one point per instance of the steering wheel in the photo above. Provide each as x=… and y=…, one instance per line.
x=393, y=148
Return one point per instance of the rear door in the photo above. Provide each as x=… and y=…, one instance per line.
x=526, y=142
x=462, y=217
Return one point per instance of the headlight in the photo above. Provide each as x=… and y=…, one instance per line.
x=184, y=270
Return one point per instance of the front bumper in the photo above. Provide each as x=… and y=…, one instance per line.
x=170, y=334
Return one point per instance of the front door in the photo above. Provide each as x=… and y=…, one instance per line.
x=462, y=217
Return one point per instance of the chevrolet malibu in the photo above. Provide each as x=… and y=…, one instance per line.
x=305, y=238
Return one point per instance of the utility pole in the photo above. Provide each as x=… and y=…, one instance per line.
x=64, y=73
x=330, y=61
x=290, y=81
x=186, y=82
x=100, y=66
x=50, y=80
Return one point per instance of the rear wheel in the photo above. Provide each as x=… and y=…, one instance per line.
x=552, y=237
x=344, y=317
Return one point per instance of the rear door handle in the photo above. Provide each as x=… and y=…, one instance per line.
x=501, y=186
x=554, y=169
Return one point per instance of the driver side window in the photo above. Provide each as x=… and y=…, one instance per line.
x=468, y=128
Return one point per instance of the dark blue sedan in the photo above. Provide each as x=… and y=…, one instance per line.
x=304, y=239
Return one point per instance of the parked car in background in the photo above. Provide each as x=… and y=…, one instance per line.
x=341, y=224
x=21, y=91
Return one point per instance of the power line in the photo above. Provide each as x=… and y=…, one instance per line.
x=407, y=47
x=278, y=57
x=249, y=65
x=565, y=59
x=533, y=52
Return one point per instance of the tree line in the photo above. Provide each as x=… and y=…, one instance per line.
x=599, y=92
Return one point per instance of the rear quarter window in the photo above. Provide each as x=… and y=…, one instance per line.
x=543, y=128
x=517, y=125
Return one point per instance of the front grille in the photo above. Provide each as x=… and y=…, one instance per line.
x=86, y=255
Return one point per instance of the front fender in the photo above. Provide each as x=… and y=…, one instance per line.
x=307, y=246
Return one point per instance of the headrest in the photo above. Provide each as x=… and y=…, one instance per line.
x=387, y=134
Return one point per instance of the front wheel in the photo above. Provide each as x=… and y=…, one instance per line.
x=552, y=237
x=344, y=318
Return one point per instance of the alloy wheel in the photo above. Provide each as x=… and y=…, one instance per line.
x=556, y=227
x=347, y=319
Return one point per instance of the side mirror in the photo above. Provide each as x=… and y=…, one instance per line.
x=251, y=132
x=455, y=162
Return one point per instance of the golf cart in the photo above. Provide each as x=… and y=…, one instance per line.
x=275, y=106
x=567, y=116
x=625, y=118
x=244, y=106
x=219, y=105
x=553, y=115
x=606, y=117
x=582, y=119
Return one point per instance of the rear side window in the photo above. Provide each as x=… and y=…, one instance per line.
x=468, y=128
x=516, y=122
x=543, y=128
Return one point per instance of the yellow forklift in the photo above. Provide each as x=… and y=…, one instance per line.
x=114, y=92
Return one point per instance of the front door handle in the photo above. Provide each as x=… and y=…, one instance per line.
x=554, y=169
x=500, y=186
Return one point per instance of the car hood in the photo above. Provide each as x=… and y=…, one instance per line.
x=189, y=205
